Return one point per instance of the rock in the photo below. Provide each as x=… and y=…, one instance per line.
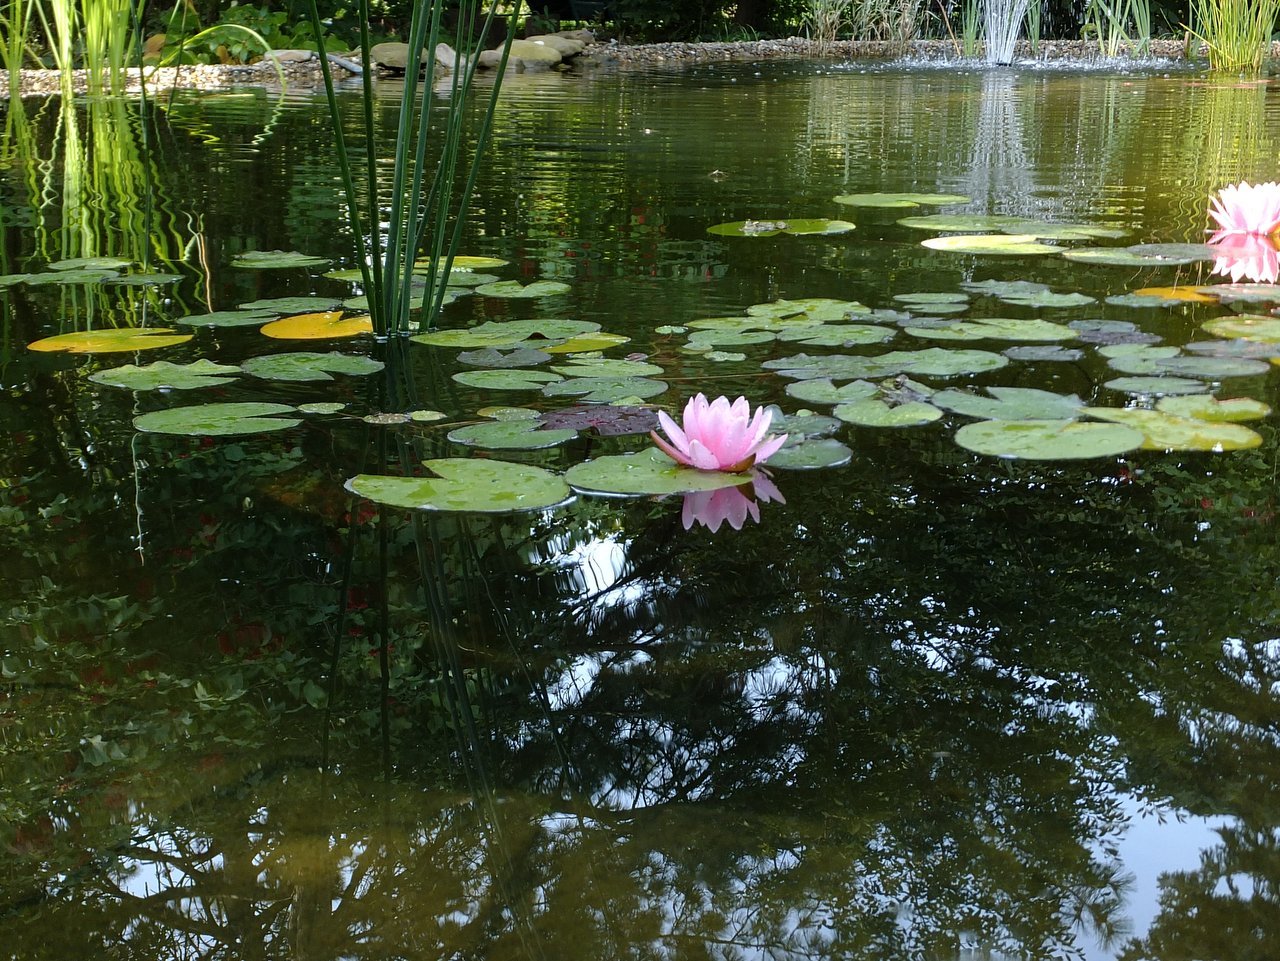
x=391, y=55
x=289, y=56
x=489, y=59
x=565, y=46
x=446, y=57
x=534, y=55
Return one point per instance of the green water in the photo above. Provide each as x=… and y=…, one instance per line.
x=934, y=705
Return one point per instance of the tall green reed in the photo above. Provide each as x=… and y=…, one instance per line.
x=429, y=185
x=108, y=26
x=1236, y=33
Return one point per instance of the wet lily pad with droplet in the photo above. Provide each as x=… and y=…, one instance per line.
x=468, y=485
x=1011, y=403
x=999, y=245
x=301, y=366
x=1206, y=407
x=111, y=264
x=837, y=335
x=513, y=289
x=646, y=472
x=606, y=390
x=228, y=318
x=1261, y=330
x=790, y=313
x=143, y=280
x=1164, y=431
x=606, y=420
x=1048, y=439
x=898, y=201
x=606, y=367
x=163, y=375
x=511, y=333
x=490, y=357
x=66, y=277
x=958, y=223
x=510, y=435
x=326, y=325
x=276, y=260
x=817, y=454
x=771, y=228
x=513, y=379
x=292, y=305
x=997, y=328
x=1157, y=386
x=217, y=420
x=1047, y=354
x=823, y=391
x=118, y=340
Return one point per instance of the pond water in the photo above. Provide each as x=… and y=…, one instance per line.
x=929, y=703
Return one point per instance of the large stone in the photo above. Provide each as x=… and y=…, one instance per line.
x=565, y=46
x=289, y=56
x=392, y=55
x=534, y=55
x=489, y=59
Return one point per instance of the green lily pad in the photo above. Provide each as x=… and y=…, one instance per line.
x=724, y=356
x=1164, y=431
x=1142, y=255
x=771, y=228
x=1005, y=288
x=606, y=390
x=349, y=275
x=669, y=329
x=322, y=407
x=1205, y=407
x=510, y=435
x=8, y=280
x=163, y=375
x=229, y=318
x=110, y=264
x=1140, y=300
x=1257, y=350
x=205, y=420
x=791, y=313
x=701, y=340
x=1157, y=386
x=508, y=289
x=997, y=328
x=293, y=305
x=800, y=426
x=1063, y=231
x=1000, y=245
x=465, y=262
x=1048, y=299
x=648, y=472
x=1050, y=354
x=493, y=358
x=276, y=260
x=310, y=366
x=65, y=277
x=1159, y=360
x=1011, y=403
x=117, y=340
x=1048, y=439
x=932, y=362
x=509, y=333
x=607, y=420
x=816, y=454
x=506, y=379
x=900, y=200
x=143, y=280
x=1242, y=293
x=1262, y=330
x=959, y=223
x=926, y=299
x=468, y=484
x=469, y=278
x=606, y=367
x=1112, y=332
x=825, y=392
x=837, y=335
x=874, y=412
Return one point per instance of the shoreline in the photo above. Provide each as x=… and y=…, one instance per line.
x=614, y=56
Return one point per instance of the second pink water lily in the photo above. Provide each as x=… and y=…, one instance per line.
x=1246, y=208
x=719, y=435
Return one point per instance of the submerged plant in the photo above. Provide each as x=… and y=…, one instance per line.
x=719, y=435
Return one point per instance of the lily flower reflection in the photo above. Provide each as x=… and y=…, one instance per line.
x=732, y=504
x=1247, y=209
x=717, y=435
x=1245, y=257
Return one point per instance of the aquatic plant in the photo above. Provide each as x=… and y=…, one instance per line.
x=1237, y=33
x=719, y=435
x=1246, y=208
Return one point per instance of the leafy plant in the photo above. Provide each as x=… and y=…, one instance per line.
x=1237, y=33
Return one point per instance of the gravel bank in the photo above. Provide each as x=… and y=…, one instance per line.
x=601, y=56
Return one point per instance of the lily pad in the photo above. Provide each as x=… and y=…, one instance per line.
x=1262, y=330
x=606, y=367
x=228, y=318
x=143, y=280
x=587, y=343
x=837, y=335
x=825, y=392
x=468, y=484
x=1156, y=360
x=308, y=366
x=1063, y=231
x=163, y=375
x=1048, y=439
x=1139, y=300
x=117, y=340
x=510, y=435
x=506, y=379
x=1176, y=295
x=1243, y=293
x=1205, y=407
x=292, y=305
x=211, y=420
x=932, y=362
x=817, y=454
x=1000, y=245
x=326, y=325
x=771, y=228
x=790, y=313
x=645, y=472
x=1164, y=431
x=276, y=259
x=607, y=420
x=800, y=426
x=508, y=289
x=997, y=328
x=8, y=280
x=1142, y=255
x=959, y=223
x=875, y=412
x=606, y=390
x=322, y=407
x=707, y=339
x=1157, y=386
x=465, y=262
x=509, y=333
x=66, y=277
x=1049, y=354
x=1011, y=403
x=1005, y=288
x=1259, y=350
x=91, y=263
x=491, y=357
x=1048, y=299
x=932, y=299
x=900, y=200
x=1112, y=332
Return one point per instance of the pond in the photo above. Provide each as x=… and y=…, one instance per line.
x=926, y=701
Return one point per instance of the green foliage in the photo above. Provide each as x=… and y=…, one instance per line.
x=1237, y=33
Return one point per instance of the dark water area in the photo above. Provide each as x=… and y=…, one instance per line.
x=933, y=705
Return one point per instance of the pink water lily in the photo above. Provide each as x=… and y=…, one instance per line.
x=718, y=435
x=1245, y=257
x=1247, y=209
x=732, y=504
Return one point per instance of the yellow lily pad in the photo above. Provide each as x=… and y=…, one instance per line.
x=117, y=341
x=1165, y=431
x=465, y=262
x=327, y=325
x=1182, y=295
